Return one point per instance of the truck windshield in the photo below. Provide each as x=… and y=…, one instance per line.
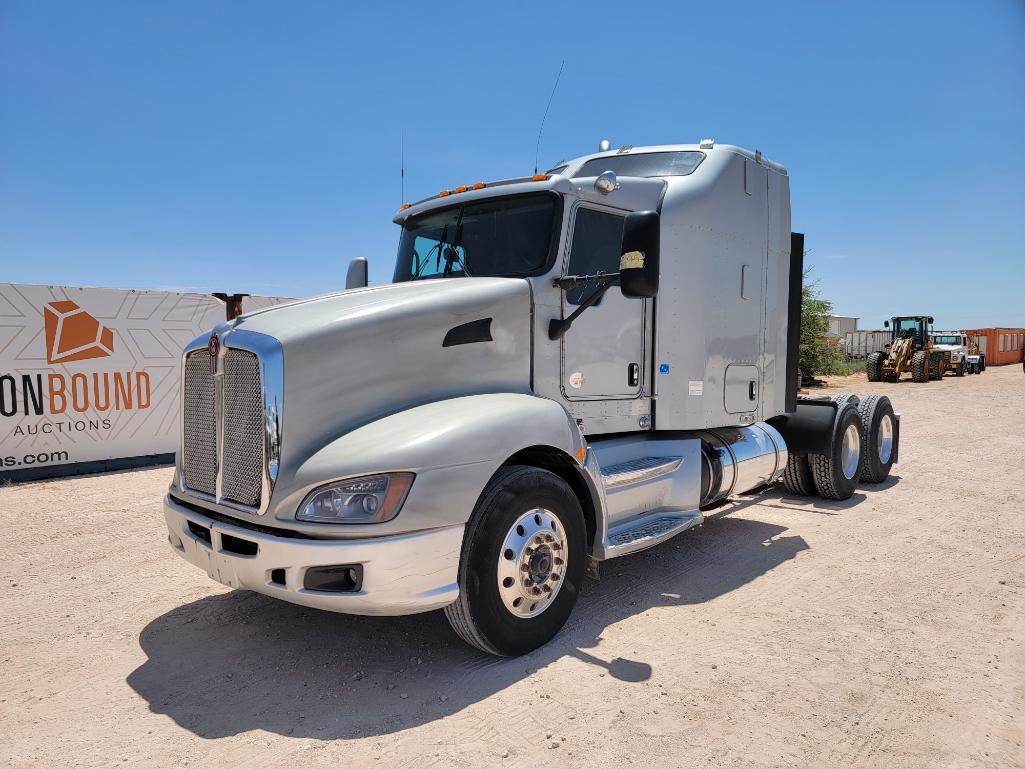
x=498, y=237
x=946, y=340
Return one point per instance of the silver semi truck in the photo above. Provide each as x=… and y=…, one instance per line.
x=567, y=368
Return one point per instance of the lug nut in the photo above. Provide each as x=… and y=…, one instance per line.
x=554, y=577
x=547, y=588
x=538, y=540
x=524, y=567
x=558, y=562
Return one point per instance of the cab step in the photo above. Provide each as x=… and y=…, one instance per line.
x=638, y=470
x=649, y=531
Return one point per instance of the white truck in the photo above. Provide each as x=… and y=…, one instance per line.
x=568, y=367
x=964, y=356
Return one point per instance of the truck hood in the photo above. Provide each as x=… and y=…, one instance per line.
x=359, y=355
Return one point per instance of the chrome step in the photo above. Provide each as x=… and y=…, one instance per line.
x=649, y=531
x=637, y=470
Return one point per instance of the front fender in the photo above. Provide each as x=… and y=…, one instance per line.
x=454, y=446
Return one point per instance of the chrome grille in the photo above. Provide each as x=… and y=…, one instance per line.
x=199, y=424
x=242, y=412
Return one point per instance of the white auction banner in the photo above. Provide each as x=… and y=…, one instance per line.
x=91, y=374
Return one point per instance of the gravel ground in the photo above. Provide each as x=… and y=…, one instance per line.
x=884, y=631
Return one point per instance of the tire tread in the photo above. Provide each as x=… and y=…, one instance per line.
x=458, y=612
x=797, y=477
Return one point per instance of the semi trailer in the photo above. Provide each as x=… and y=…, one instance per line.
x=862, y=343
x=569, y=367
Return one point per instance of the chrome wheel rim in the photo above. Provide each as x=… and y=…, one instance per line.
x=532, y=563
x=850, y=451
x=885, y=438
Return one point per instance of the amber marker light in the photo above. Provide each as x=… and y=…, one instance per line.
x=478, y=186
x=444, y=193
x=404, y=206
x=539, y=178
x=462, y=188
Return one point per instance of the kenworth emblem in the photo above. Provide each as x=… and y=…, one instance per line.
x=214, y=346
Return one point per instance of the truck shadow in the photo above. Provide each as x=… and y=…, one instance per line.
x=239, y=661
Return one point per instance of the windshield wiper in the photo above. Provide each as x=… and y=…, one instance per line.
x=453, y=249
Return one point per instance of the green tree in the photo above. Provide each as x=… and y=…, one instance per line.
x=818, y=356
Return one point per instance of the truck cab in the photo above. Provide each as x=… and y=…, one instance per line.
x=567, y=367
x=964, y=359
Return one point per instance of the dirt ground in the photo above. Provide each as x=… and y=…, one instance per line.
x=885, y=631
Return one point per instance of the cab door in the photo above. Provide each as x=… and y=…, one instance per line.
x=603, y=352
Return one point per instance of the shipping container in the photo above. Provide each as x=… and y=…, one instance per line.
x=858, y=344
x=1000, y=345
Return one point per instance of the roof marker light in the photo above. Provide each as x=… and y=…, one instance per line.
x=478, y=186
x=539, y=178
x=404, y=206
x=444, y=193
x=462, y=188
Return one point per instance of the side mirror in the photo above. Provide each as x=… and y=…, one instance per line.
x=931, y=321
x=356, y=277
x=639, y=263
x=886, y=324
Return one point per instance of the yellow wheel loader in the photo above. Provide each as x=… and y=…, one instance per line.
x=911, y=350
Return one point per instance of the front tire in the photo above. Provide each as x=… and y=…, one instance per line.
x=527, y=527
x=874, y=366
x=960, y=370
x=920, y=367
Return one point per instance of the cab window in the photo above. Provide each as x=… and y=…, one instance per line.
x=597, y=241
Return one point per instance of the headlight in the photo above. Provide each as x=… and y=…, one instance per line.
x=370, y=499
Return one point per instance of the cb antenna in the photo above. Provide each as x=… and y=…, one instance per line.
x=537, y=148
x=402, y=167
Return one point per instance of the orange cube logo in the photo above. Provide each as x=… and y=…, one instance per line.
x=73, y=334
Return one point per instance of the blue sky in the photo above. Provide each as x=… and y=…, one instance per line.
x=254, y=146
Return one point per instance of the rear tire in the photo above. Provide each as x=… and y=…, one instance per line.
x=874, y=366
x=836, y=473
x=982, y=363
x=920, y=367
x=483, y=615
x=797, y=477
x=878, y=438
x=960, y=370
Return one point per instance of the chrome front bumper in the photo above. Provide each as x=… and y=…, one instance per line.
x=402, y=574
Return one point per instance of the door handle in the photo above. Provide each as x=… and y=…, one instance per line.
x=752, y=390
x=633, y=374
